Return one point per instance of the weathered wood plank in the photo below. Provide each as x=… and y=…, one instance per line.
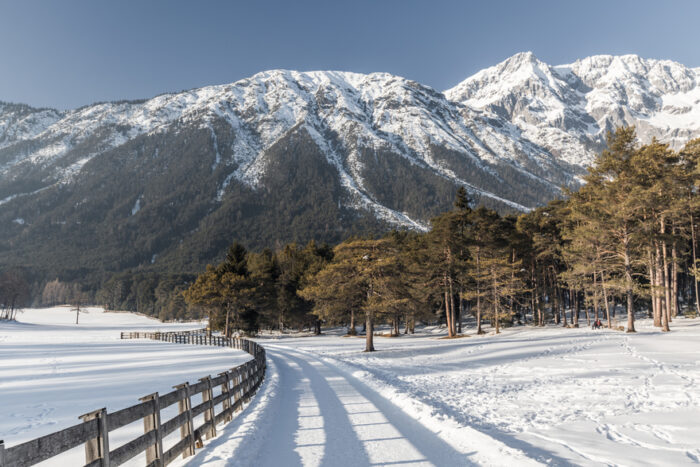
x=198, y=388
x=154, y=453
x=220, y=398
x=219, y=380
x=226, y=393
x=187, y=428
x=40, y=449
x=208, y=399
x=131, y=449
x=199, y=409
x=166, y=400
x=173, y=424
x=129, y=415
x=179, y=447
x=97, y=448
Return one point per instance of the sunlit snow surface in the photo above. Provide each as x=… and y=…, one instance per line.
x=529, y=396
x=53, y=370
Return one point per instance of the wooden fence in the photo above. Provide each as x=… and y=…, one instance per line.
x=236, y=387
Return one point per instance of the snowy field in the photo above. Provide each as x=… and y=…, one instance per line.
x=53, y=370
x=529, y=396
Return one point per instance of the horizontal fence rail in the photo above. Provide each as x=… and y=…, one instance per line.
x=234, y=387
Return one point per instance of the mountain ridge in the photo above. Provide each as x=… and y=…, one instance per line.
x=195, y=169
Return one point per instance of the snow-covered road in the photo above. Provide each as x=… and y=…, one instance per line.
x=311, y=412
x=529, y=396
x=328, y=417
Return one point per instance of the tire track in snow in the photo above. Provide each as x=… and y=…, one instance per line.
x=477, y=447
x=366, y=428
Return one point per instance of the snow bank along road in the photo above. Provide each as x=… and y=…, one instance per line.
x=530, y=396
x=52, y=371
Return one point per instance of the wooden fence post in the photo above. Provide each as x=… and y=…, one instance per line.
x=154, y=453
x=2, y=453
x=187, y=428
x=226, y=389
x=246, y=381
x=98, y=448
x=237, y=388
x=208, y=396
x=255, y=374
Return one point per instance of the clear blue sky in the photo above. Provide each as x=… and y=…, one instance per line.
x=69, y=53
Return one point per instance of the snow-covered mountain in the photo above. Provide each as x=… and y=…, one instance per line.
x=347, y=115
x=343, y=149
x=568, y=109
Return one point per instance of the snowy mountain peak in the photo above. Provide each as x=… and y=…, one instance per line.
x=662, y=76
x=568, y=109
x=490, y=84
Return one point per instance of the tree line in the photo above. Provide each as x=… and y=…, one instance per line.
x=14, y=293
x=627, y=238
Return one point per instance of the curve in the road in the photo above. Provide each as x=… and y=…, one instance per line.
x=312, y=414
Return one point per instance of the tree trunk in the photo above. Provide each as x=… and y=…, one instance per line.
x=652, y=283
x=447, y=313
x=595, y=297
x=459, y=311
x=353, y=330
x=478, y=315
x=605, y=298
x=667, y=289
x=674, y=280
x=562, y=300
x=478, y=293
x=533, y=293
x=369, y=325
x=695, y=279
x=556, y=299
x=512, y=281
x=369, y=342
x=658, y=282
x=453, y=325
x=495, y=302
x=628, y=285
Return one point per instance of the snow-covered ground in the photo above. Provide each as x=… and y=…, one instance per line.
x=53, y=370
x=529, y=396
